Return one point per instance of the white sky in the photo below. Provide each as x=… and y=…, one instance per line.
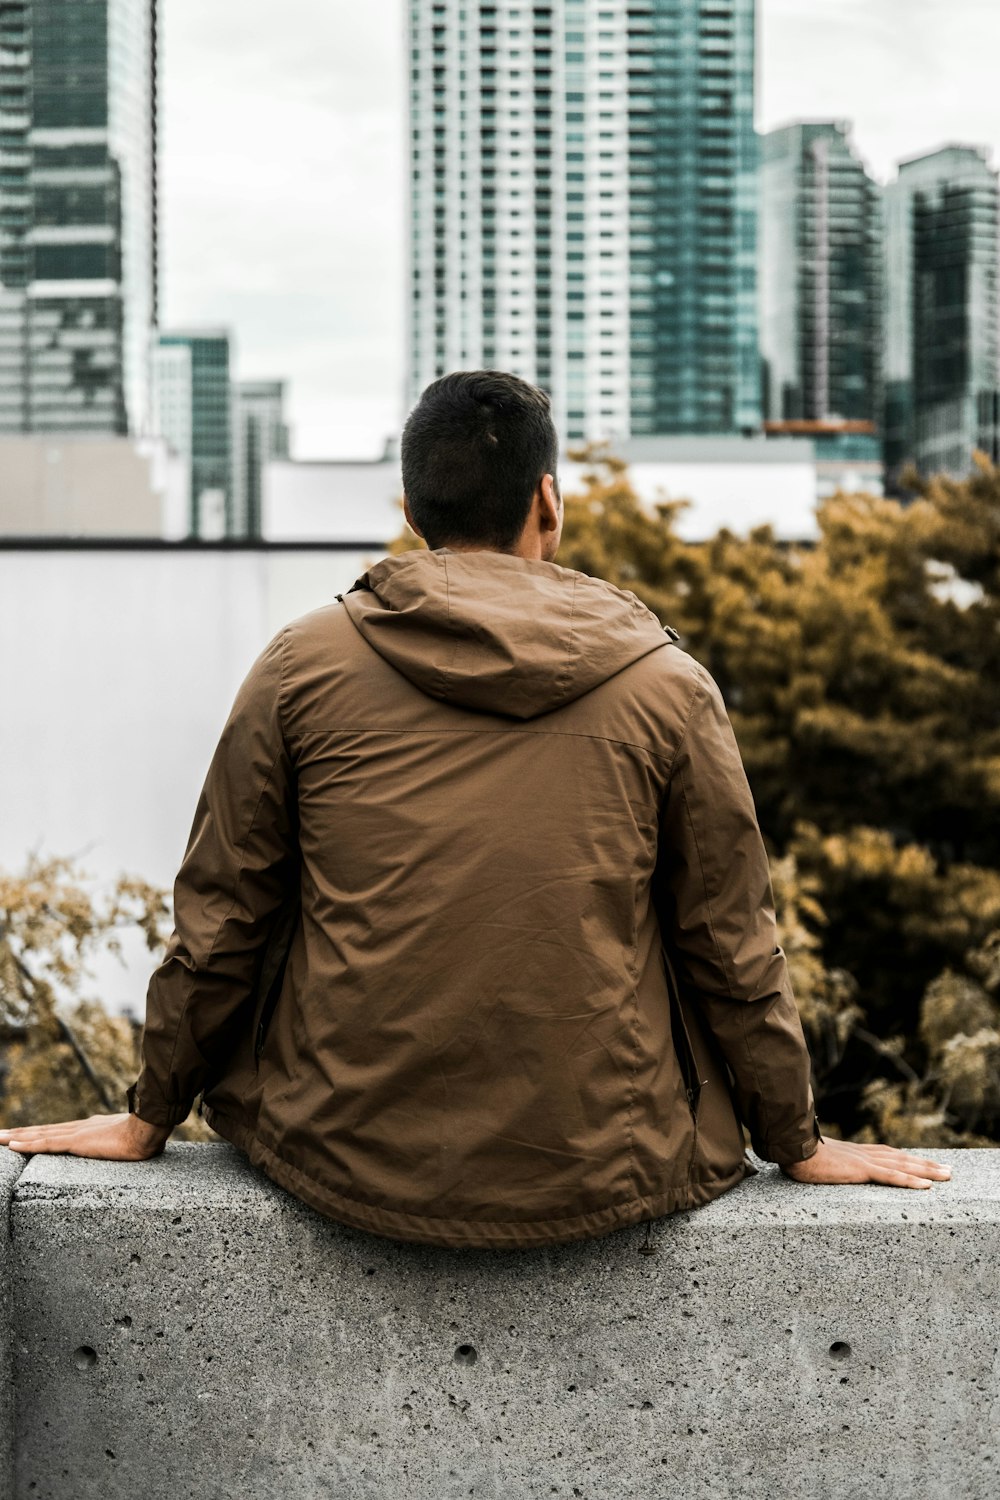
x=283, y=185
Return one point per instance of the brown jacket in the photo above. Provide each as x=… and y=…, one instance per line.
x=498, y=821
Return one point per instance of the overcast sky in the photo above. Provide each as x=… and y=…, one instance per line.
x=283, y=187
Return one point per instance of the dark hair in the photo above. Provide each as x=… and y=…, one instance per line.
x=473, y=453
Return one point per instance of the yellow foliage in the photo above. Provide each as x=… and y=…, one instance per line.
x=954, y=1005
x=64, y=1057
x=970, y=1072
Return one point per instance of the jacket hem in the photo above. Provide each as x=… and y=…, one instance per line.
x=473, y=1234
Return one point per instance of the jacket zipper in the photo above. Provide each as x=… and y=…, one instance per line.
x=268, y=1011
x=689, y=1072
x=279, y=947
x=682, y=1042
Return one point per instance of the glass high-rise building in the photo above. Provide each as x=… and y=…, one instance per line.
x=260, y=434
x=193, y=411
x=820, y=278
x=942, y=239
x=583, y=207
x=78, y=213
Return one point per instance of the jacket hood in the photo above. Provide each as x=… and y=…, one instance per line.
x=502, y=634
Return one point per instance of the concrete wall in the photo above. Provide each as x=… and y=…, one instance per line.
x=739, y=483
x=118, y=669
x=52, y=485
x=338, y=499
x=11, y=1167
x=184, y=1327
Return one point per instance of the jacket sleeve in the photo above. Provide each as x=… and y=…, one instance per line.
x=239, y=858
x=716, y=910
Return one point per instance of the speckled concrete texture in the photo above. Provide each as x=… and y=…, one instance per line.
x=11, y=1167
x=186, y=1328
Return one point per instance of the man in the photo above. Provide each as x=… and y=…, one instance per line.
x=474, y=938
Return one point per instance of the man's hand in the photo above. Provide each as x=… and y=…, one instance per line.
x=108, y=1137
x=847, y=1161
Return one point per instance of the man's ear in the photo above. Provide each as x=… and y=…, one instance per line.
x=409, y=518
x=550, y=503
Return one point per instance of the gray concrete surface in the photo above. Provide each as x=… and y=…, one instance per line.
x=185, y=1328
x=11, y=1167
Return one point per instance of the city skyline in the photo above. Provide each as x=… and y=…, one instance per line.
x=313, y=282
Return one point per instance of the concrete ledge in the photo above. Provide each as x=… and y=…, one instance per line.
x=11, y=1167
x=184, y=1327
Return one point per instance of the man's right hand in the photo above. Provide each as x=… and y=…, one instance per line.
x=847, y=1161
x=121, y=1137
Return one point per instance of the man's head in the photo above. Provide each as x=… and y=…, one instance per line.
x=479, y=454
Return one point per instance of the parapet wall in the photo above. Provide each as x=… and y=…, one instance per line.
x=11, y=1167
x=183, y=1327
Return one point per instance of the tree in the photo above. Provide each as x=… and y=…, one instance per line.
x=63, y=1055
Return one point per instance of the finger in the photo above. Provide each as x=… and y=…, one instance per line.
x=20, y=1131
x=894, y=1153
x=36, y=1142
x=893, y=1178
x=906, y=1161
x=924, y=1168
x=44, y=1131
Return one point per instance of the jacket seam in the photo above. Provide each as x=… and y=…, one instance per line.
x=445, y=671
x=564, y=674
x=689, y=712
x=232, y=906
x=636, y=1052
x=630, y=1127
x=704, y=883
x=762, y=1105
x=282, y=643
x=572, y=734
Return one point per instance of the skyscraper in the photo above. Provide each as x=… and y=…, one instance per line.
x=260, y=434
x=942, y=349
x=192, y=410
x=583, y=207
x=78, y=213
x=821, y=277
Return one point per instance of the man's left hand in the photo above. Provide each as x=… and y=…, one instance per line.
x=108, y=1137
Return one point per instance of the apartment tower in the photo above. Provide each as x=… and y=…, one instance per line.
x=583, y=207
x=78, y=214
x=942, y=345
x=820, y=278
x=192, y=409
x=259, y=435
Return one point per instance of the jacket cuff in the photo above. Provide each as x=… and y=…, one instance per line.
x=794, y=1148
x=155, y=1112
